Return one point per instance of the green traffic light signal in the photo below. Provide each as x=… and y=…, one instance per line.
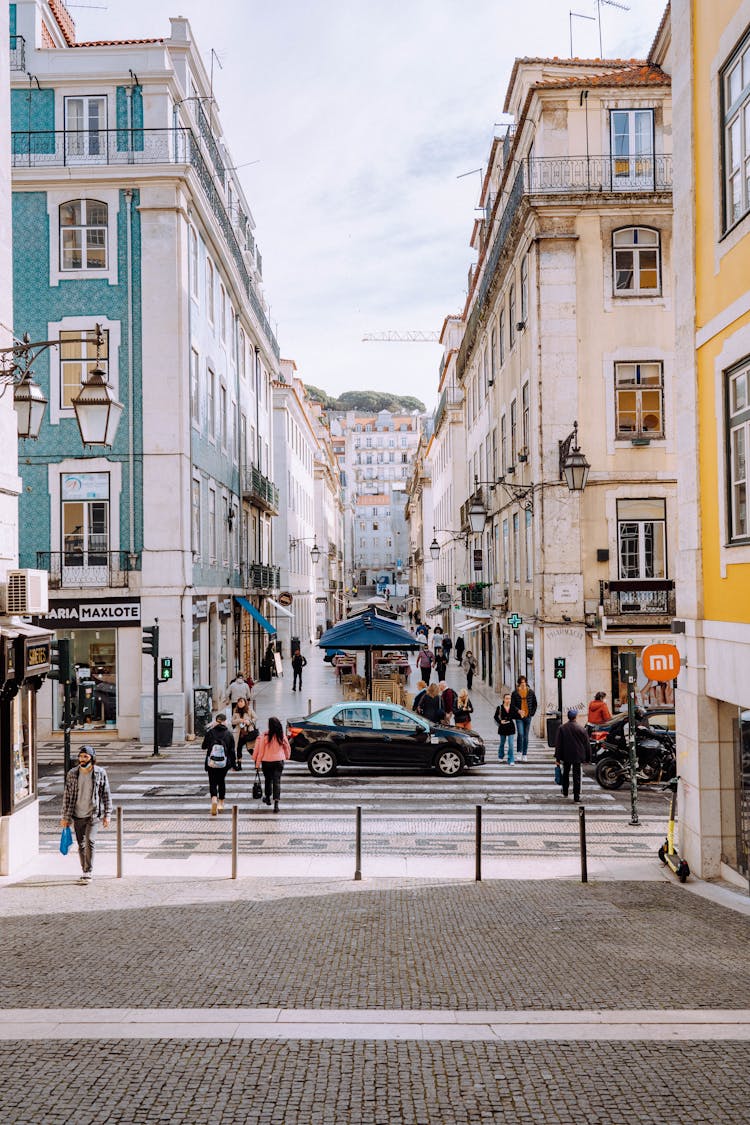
x=151, y=641
x=166, y=668
x=61, y=661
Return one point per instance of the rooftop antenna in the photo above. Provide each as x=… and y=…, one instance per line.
x=579, y=16
x=610, y=4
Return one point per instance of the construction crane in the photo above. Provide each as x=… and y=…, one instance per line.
x=413, y=337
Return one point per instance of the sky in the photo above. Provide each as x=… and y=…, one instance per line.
x=364, y=117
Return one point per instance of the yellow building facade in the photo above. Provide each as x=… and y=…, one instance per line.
x=710, y=49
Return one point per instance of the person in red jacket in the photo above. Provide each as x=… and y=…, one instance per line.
x=598, y=710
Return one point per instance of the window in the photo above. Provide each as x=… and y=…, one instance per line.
x=224, y=530
x=211, y=403
x=738, y=414
x=212, y=525
x=223, y=416
x=493, y=356
x=501, y=336
x=193, y=237
x=641, y=539
x=210, y=290
x=503, y=446
x=397, y=720
x=195, y=396
x=196, y=521
x=85, y=127
x=736, y=108
x=632, y=140
x=636, y=261
x=83, y=235
x=513, y=433
x=512, y=315
x=506, y=553
x=525, y=288
x=85, y=526
x=78, y=360
x=525, y=419
x=516, y=549
x=529, y=548
x=639, y=395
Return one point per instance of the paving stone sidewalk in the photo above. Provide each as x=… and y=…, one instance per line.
x=533, y=945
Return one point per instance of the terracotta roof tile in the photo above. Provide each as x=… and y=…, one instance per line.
x=641, y=74
x=115, y=42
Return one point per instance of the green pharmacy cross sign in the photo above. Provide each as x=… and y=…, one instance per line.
x=514, y=621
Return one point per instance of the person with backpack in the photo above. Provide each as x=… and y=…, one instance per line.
x=270, y=752
x=218, y=743
x=298, y=663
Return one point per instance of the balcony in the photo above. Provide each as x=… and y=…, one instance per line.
x=475, y=596
x=259, y=490
x=87, y=569
x=17, y=52
x=260, y=577
x=647, y=603
x=451, y=396
x=87, y=148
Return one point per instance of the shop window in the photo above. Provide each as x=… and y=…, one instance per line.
x=94, y=685
x=735, y=88
x=78, y=359
x=639, y=400
x=738, y=450
x=83, y=235
x=22, y=748
x=636, y=255
x=85, y=528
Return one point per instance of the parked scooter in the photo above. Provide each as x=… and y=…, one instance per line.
x=667, y=853
x=657, y=759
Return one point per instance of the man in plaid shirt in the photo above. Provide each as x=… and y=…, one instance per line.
x=86, y=801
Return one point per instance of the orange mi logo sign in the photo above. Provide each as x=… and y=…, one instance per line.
x=661, y=662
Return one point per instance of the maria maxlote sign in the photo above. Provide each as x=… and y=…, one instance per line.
x=73, y=613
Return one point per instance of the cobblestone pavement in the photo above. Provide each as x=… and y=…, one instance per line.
x=513, y=945
x=397, y=1083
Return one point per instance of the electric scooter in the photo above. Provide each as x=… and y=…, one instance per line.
x=667, y=853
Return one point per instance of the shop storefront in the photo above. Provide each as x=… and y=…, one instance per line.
x=741, y=741
x=24, y=663
x=93, y=629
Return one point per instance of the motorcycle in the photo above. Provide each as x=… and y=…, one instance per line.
x=655, y=750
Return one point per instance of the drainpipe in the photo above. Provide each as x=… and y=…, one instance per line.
x=131, y=408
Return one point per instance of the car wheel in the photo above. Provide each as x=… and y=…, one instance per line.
x=321, y=762
x=449, y=763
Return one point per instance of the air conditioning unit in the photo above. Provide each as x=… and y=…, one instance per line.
x=26, y=592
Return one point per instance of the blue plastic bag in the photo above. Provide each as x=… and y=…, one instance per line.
x=66, y=840
x=558, y=775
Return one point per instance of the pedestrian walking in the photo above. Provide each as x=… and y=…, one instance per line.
x=269, y=754
x=506, y=728
x=571, y=748
x=437, y=640
x=447, y=646
x=425, y=660
x=463, y=710
x=448, y=699
x=411, y=616
x=441, y=664
x=238, y=689
x=298, y=663
x=459, y=650
x=87, y=803
x=423, y=630
x=245, y=725
x=430, y=706
x=524, y=706
x=598, y=710
x=421, y=689
x=218, y=743
x=469, y=665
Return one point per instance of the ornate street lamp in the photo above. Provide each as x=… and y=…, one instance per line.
x=97, y=412
x=575, y=468
x=30, y=403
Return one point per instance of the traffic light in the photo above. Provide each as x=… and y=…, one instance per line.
x=559, y=667
x=151, y=641
x=61, y=662
x=166, y=668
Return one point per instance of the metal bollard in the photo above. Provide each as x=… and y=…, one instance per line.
x=119, y=841
x=478, y=845
x=358, y=846
x=582, y=837
x=309, y=706
x=235, y=836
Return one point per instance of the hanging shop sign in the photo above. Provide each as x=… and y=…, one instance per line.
x=73, y=613
x=200, y=610
x=285, y=598
x=33, y=656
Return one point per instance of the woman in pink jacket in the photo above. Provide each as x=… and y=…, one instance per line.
x=270, y=752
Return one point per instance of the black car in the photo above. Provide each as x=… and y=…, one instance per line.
x=364, y=733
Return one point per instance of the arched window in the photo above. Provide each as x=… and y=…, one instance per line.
x=83, y=235
x=636, y=261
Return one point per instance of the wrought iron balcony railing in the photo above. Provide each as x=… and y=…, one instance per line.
x=17, y=52
x=94, y=147
x=627, y=600
x=257, y=487
x=82, y=568
x=261, y=577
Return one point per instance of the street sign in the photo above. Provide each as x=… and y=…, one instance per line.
x=285, y=598
x=514, y=621
x=661, y=662
x=559, y=667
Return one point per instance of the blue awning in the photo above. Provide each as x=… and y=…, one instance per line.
x=250, y=608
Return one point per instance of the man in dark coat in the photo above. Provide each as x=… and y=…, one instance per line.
x=459, y=649
x=571, y=748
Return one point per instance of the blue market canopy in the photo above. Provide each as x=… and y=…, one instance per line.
x=368, y=630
